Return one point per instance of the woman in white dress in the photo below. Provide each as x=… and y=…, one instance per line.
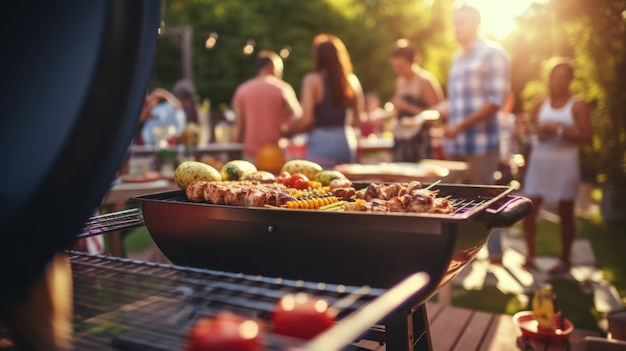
x=562, y=123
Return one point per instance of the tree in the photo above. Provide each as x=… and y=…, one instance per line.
x=594, y=35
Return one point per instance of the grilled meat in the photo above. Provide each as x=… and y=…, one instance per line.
x=195, y=191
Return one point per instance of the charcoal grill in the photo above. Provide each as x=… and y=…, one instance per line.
x=354, y=248
x=126, y=304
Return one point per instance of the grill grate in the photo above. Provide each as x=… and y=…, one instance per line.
x=460, y=205
x=137, y=305
x=110, y=222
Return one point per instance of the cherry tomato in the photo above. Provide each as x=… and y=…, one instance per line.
x=284, y=178
x=225, y=331
x=299, y=181
x=301, y=316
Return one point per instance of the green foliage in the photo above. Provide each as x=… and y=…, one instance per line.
x=594, y=35
x=367, y=27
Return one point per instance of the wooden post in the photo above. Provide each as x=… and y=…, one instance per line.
x=181, y=37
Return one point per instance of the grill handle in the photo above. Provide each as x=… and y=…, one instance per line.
x=507, y=211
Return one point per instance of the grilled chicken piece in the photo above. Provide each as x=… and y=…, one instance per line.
x=377, y=205
x=419, y=202
x=195, y=191
x=215, y=193
x=394, y=189
x=344, y=193
x=255, y=197
x=282, y=198
x=371, y=192
x=441, y=205
x=413, y=185
x=339, y=183
x=396, y=204
x=235, y=196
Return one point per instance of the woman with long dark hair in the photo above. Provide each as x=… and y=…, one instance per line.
x=332, y=105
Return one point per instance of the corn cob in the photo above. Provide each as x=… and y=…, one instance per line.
x=311, y=202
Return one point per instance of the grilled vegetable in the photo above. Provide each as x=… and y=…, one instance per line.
x=299, y=181
x=192, y=171
x=308, y=168
x=261, y=176
x=301, y=316
x=235, y=169
x=312, y=202
x=225, y=331
x=326, y=176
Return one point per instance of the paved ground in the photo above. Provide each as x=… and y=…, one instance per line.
x=511, y=278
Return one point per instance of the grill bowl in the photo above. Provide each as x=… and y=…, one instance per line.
x=355, y=248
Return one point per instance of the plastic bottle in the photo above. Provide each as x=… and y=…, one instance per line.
x=543, y=306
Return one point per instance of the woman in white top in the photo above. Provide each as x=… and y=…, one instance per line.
x=562, y=123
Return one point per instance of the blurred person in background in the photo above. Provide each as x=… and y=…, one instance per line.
x=376, y=115
x=263, y=104
x=162, y=119
x=562, y=123
x=333, y=106
x=416, y=90
x=478, y=86
x=185, y=91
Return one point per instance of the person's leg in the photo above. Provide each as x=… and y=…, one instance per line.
x=568, y=229
x=530, y=231
x=485, y=166
x=494, y=246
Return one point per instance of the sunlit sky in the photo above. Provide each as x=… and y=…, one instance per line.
x=498, y=16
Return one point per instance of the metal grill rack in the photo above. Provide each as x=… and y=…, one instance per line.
x=126, y=304
x=121, y=220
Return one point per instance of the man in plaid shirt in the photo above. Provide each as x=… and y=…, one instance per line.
x=478, y=84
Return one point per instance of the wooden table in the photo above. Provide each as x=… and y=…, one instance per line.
x=118, y=196
x=228, y=151
x=426, y=171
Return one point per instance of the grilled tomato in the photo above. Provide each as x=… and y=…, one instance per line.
x=225, y=331
x=299, y=181
x=301, y=316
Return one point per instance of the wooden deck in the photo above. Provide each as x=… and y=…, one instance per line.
x=460, y=329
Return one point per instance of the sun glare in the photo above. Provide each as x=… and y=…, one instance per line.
x=498, y=17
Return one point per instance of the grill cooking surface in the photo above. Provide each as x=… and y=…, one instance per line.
x=463, y=203
x=136, y=305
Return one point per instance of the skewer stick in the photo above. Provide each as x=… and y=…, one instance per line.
x=433, y=184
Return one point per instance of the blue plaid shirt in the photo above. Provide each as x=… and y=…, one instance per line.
x=477, y=76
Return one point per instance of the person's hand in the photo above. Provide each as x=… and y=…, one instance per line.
x=452, y=131
x=284, y=131
x=547, y=130
x=399, y=103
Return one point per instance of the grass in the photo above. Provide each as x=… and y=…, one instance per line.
x=574, y=299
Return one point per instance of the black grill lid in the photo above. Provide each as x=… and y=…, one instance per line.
x=75, y=75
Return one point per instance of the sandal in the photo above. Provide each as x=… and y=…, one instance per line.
x=561, y=267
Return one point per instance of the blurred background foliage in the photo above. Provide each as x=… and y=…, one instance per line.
x=593, y=33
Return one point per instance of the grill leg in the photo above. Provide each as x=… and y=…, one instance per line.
x=408, y=330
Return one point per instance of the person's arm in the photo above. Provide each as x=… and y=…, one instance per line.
x=161, y=93
x=240, y=119
x=433, y=94
x=291, y=101
x=482, y=114
x=581, y=132
x=311, y=83
x=359, y=114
